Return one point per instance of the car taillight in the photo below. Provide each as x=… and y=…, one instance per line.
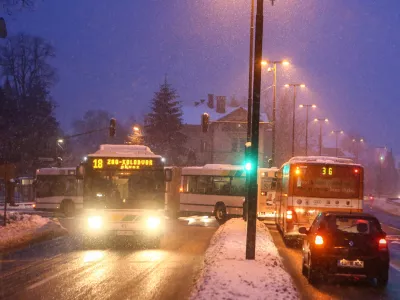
x=289, y=215
x=319, y=240
x=382, y=244
x=181, y=189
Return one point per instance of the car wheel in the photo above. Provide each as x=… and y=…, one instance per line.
x=383, y=278
x=220, y=213
x=304, y=269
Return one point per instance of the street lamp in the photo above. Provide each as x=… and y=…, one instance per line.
x=307, y=106
x=381, y=161
x=336, y=133
x=274, y=69
x=294, y=85
x=320, y=121
x=357, y=143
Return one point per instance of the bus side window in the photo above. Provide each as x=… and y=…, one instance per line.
x=273, y=184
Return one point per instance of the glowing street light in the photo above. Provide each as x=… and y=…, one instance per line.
x=307, y=106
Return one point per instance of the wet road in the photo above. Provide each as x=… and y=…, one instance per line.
x=64, y=269
x=346, y=289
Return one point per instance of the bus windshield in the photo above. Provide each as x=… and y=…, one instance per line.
x=326, y=181
x=142, y=189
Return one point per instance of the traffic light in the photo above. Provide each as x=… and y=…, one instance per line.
x=205, y=122
x=248, y=166
x=113, y=125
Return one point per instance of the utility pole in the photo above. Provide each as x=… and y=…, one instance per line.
x=336, y=132
x=252, y=186
x=249, y=105
x=320, y=120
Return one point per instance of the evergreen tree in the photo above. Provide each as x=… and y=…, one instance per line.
x=164, y=123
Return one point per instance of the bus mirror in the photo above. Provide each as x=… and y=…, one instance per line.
x=168, y=175
x=80, y=172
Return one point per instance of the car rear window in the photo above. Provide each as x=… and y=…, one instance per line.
x=353, y=225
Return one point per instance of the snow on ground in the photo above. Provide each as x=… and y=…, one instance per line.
x=22, y=229
x=228, y=275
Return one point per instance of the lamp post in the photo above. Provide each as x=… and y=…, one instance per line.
x=294, y=85
x=336, y=133
x=307, y=106
x=274, y=69
x=357, y=143
x=381, y=161
x=320, y=121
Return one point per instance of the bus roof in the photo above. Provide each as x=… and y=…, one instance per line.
x=215, y=169
x=124, y=151
x=56, y=171
x=321, y=160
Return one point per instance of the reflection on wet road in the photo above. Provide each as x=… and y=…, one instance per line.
x=64, y=269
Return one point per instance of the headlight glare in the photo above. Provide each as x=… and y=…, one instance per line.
x=95, y=222
x=153, y=222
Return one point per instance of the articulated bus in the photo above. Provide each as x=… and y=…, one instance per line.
x=58, y=189
x=309, y=185
x=213, y=189
x=266, y=208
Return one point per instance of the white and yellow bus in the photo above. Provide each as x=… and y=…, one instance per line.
x=58, y=189
x=214, y=189
x=309, y=185
x=266, y=181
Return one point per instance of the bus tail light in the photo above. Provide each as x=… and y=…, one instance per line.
x=319, y=240
x=383, y=245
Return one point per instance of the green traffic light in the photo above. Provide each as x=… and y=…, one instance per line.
x=248, y=166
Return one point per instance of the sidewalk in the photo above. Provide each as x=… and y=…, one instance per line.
x=228, y=275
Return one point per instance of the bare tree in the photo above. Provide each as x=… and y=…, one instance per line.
x=25, y=63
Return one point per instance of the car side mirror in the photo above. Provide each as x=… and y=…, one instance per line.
x=303, y=230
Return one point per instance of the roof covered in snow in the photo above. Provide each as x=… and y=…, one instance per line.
x=321, y=159
x=192, y=114
x=124, y=151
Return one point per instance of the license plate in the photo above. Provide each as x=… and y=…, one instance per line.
x=124, y=232
x=359, y=264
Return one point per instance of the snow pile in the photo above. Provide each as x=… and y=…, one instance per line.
x=228, y=275
x=22, y=229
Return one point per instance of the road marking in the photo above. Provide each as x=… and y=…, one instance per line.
x=394, y=228
x=46, y=280
x=395, y=267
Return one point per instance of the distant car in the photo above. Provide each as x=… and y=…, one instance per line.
x=371, y=197
x=345, y=244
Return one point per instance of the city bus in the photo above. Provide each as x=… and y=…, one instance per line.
x=123, y=193
x=214, y=189
x=266, y=181
x=58, y=189
x=309, y=185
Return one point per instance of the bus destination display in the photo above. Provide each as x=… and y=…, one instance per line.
x=122, y=163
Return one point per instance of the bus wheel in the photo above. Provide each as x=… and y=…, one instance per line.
x=220, y=213
x=68, y=208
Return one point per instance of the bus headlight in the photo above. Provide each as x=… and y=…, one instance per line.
x=153, y=222
x=95, y=222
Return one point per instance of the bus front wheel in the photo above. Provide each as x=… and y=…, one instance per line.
x=220, y=213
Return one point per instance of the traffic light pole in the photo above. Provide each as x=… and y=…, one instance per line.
x=255, y=124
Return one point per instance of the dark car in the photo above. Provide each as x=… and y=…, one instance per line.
x=345, y=244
